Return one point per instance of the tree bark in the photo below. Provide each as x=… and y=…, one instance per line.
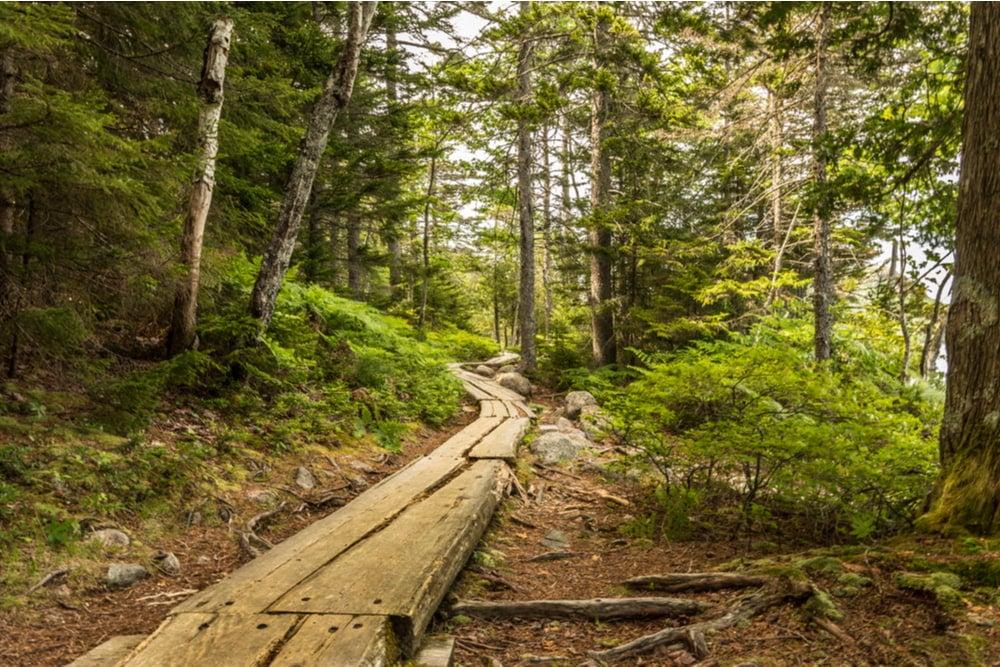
x=425, y=247
x=526, y=294
x=822, y=264
x=967, y=493
x=600, y=609
x=698, y=581
x=602, y=318
x=336, y=95
x=355, y=271
x=210, y=93
x=394, y=223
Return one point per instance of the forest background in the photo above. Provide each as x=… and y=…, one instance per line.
x=732, y=222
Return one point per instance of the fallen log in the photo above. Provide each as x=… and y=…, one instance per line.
x=775, y=593
x=697, y=581
x=598, y=608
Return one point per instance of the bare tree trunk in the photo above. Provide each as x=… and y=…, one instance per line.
x=336, y=95
x=904, y=323
x=602, y=318
x=932, y=334
x=967, y=493
x=355, y=272
x=210, y=93
x=8, y=283
x=547, y=237
x=426, y=243
x=392, y=233
x=823, y=266
x=526, y=300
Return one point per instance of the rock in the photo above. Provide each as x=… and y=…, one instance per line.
x=304, y=479
x=361, y=466
x=204, y=560
x=553, y=448
x=594, y=422
x=167, y=562
x=575, y=402
x=485, y=371
x=122, y=575
x=509, y=368
x=262, y=496
x=515, y=382
x=110, y=537
x=548, y=428
x=565, y=425
x=556, y=540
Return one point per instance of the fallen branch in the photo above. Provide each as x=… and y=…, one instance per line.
x=743, y=609
x=186, y=591
x=600, y=609
x=252, y=543
x=554, y=555
x=697, y=581
x=48, y=578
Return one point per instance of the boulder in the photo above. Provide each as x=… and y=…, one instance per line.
x=558, y=447
x=576, y=401
x=515, y=382
x=110, y=537
x=122, y=575
x=485, y=371
x=167, y=562
x=509, y=368
x=262, y=496
x=594, y=422
x=304, y=479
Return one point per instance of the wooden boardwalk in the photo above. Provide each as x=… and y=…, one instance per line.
x=360, y=586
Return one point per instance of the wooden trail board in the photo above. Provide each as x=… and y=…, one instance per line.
x=502, y=443
x=417, y=557
x=253, y=587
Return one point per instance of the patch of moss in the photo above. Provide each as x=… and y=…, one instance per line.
x=821, y=565
x=942, y=585
x=850, y=584
x=821, y=605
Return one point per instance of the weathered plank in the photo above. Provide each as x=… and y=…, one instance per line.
x=339, y=641
x=110, y=652
x=494, y=408
x=253, y=587
x=502, y=442
x=488, y=386
x=417, y=556
x=186, y=640
x=436, y=652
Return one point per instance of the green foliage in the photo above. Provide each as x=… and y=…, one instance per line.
x=843, y=451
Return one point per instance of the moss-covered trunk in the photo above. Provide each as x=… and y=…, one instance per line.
x=967, y=494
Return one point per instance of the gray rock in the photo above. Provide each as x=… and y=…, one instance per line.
x=262, y=496
x=515, y=382
x=122, y=575
x=594, y=422
x=167, y=562
x=304, y=479
x=110, y=537
x=509, y=368
x=485, y=371
x=565, y=425
x=547, y=428
x=558, y=447
x=556, y=540
x=361, y=466
x=576, y=401
x=204, y=560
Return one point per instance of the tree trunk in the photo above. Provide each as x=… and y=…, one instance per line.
x=210, y=93
x=355, y=272
x=425, y=249
x=8, y=281
x=932, y=334
x=394, y=223
x=967, y=493
x=823, y=266
x=336, y=94
x=602, y=318
x=526, y=294
x=547, y=238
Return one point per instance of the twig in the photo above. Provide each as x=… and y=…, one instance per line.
x=48, y=578
x=554, y=555
x=556, y=470
x=174, y=594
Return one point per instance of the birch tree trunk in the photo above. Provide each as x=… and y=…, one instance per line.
x=823, y=266
x=336, y=95
x=526, y=305
x=602, y=319
x=967, y=493
x=210, y=93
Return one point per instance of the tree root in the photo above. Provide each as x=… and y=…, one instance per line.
x=601, y=609
x=252, y=543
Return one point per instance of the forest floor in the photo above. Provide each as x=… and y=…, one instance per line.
x=881, y=623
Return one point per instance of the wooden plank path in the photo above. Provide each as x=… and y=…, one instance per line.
x=359, y=587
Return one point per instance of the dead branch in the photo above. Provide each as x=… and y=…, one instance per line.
x=697, y=581
x=744, y=608
x=554, y=555
x=252, y=543
x=48, y=578
x=598, y=608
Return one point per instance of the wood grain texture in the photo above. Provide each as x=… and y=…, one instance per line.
x=110, y=652
x=339, y=641
x=417, y=558
x=502, y=443
x=187, y=640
